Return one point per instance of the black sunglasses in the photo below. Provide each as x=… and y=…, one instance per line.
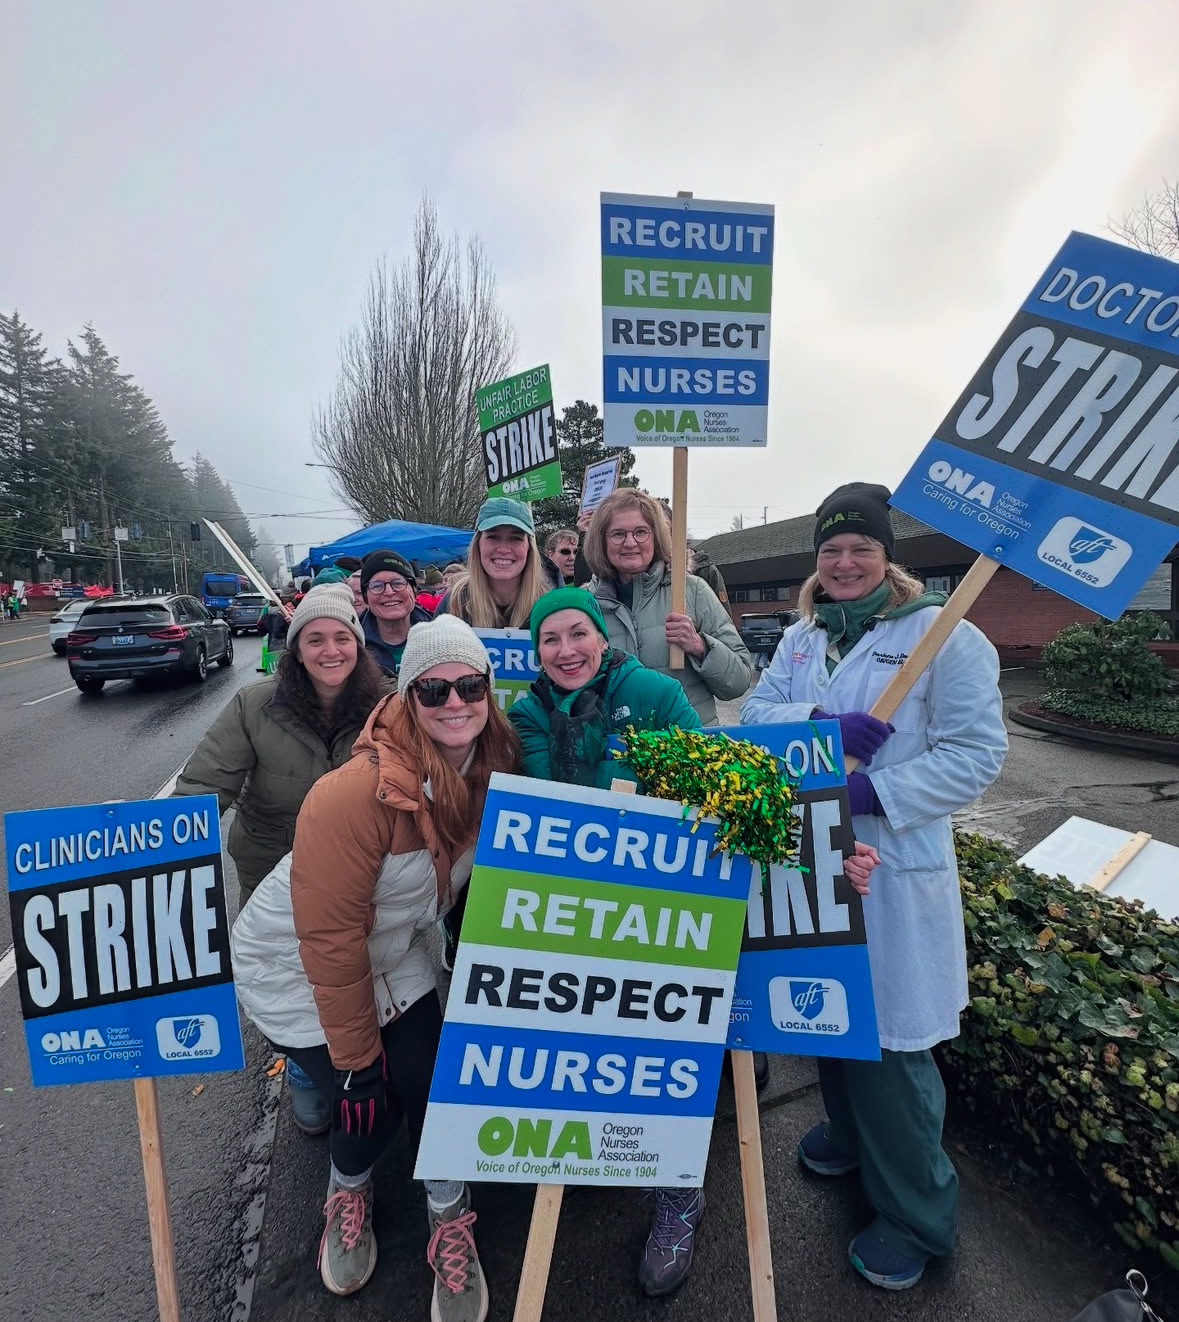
x=435, y=692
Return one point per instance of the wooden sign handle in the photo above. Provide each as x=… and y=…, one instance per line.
x=159, y=1215
x=679, y=544
x=929, y=644
x=1131, y=849
x=753, y=1188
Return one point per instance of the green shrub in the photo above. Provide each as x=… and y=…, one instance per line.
x=1072, y=1035
x=1109, y=658
x=1158, y=716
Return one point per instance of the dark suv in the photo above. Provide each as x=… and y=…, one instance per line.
x=245, y=613
x=762, y=634
x=142, y=636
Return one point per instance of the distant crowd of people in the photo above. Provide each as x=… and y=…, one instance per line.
x=358, y=771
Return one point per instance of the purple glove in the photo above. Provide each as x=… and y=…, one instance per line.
x=361, y=1098
x=862, y=735
x=862, y=797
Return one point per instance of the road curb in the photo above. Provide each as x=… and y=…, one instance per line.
x=1126, y=743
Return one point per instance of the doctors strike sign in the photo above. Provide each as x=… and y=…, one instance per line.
x=1061, y=456
x=586, y=1022
x=686, y=290
x=122, y=940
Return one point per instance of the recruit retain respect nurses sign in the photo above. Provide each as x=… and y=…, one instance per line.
x=122, y=940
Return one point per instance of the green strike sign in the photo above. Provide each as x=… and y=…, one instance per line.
x=519, y=436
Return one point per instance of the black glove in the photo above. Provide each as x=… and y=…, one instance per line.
x=577, y=739
x=361, y=1098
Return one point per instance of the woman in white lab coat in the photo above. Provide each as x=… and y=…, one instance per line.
x=861, y=616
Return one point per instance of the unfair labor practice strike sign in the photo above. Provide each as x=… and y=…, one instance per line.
x=686, y=290
x=1061, y=457
x=586, y=1022
x=122, y=940
x=513, y=663
x=520, y=436
x=804, y=985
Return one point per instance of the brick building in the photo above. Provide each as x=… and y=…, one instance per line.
x=765, y=565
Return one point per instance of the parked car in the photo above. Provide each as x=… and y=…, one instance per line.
x=141, y=636
x=762, y=634
x=63, y=621
x=245, y=613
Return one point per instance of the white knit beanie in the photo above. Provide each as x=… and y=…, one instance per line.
x=434, y=642
x=328, y=601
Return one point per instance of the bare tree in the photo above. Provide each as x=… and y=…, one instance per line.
x=400, y=431
x=1153, y=225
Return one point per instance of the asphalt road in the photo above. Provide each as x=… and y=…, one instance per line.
x=75, y=1239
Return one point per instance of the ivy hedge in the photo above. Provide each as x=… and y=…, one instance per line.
x=1071, y=1036
x=1157, y=716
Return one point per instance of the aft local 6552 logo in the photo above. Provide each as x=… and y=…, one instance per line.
x=1084, y=551
x=188, y=1037
x=808, y=1005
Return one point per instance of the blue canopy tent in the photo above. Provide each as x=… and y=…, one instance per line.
x=423, y=543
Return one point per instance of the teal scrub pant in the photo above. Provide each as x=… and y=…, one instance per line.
x=889, y=1114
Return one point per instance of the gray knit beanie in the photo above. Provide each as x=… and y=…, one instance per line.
x=434, y=642
x=328, y=601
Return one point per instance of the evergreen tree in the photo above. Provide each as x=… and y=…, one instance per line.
x=579, y=436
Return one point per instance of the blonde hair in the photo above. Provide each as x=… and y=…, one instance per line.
x=902, y=587
x=471, y=597
x=627, y=498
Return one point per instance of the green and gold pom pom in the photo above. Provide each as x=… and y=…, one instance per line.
x=749, y=790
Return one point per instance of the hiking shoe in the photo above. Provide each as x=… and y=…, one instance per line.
x=819, y=1154
x=311, y=1107
x=460, y=1290
x=667, y=1255
x=348, y=1248
x=878, y=1262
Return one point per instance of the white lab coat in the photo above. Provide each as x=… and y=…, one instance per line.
x=948, y=747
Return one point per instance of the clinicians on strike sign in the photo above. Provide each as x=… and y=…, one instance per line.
x=122, y=940
x=1061, y=456
x=589, y=1005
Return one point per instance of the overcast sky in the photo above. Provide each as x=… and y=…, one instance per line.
x=210, y=183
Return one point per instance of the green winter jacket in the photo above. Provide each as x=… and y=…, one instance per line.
x=726, y=670
x=565, y=735
x=258, y=755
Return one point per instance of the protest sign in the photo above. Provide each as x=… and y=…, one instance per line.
x=1060, y=459
x=597, y=483
x=513, y=663
x=686, y=287
x=519, y=436
x=122, y=940
x=804, y=985
x=589, y=1004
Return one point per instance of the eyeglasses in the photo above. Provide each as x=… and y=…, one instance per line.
x=618, y=536
x=387, y=585
x=436, y=692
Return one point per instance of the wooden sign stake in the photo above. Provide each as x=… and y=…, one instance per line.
x=243, y=563
x=753, y=1188
x=1131, y=849
x=929, y=644
x=159, y=1216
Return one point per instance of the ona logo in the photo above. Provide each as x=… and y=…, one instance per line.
x=188, y=1037
x=533, y=1138
x=667, y=420
x=72, y=1039
x=961, y=483
x=1084, y=552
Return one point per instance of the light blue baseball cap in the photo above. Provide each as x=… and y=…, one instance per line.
x=499, y=511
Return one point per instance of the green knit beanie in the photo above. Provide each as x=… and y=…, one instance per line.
x=565, y=599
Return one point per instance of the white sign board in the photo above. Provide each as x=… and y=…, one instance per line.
x=600, y=479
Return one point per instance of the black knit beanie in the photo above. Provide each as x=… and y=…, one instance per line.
x=860, y=507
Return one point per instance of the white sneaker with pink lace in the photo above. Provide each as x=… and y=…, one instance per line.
x=460, y=1290
x=348, y=1247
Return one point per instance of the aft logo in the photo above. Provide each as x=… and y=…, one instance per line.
x=190, y=1037
x=808, y=1005
x=1084, y=552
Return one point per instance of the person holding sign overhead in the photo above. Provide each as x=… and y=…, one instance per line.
x=505, y=572
x=628, y=547
x=862, y=614
x=331, y=959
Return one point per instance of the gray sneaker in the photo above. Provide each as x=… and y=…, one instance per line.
x=667, y=1255
x=460, y=1290
x=348, y=1248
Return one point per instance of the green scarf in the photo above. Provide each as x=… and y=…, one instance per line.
x=846, y=622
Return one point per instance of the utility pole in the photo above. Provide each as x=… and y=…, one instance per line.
x=119, y=535
x=172, y=553
x=765, y=512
